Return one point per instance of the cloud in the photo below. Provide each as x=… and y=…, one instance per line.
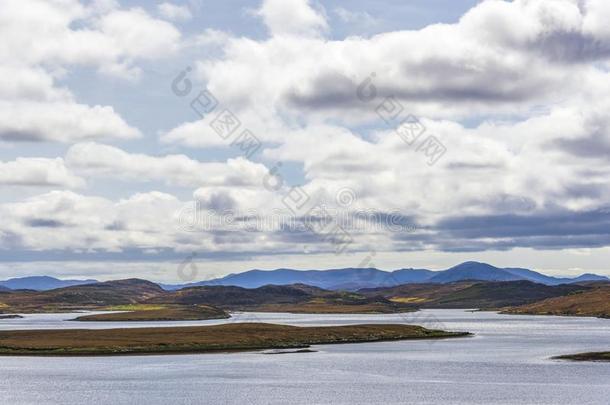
x=174, y=12
x=106, y=37
x=29, y=83
x=551, y=230
x=211, y=38
x=293, y=17
x=38, y=172
x=125, y=227
x=359, y=18
x=34, y=109
x=135, y=34
x=60, y=122
x=45, y=39
x=495, y=61
x=499, y=58
x=95, y=159
x=517, y=93
x=44, y=223
x=147, y=220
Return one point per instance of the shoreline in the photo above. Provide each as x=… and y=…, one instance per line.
x=502, y=312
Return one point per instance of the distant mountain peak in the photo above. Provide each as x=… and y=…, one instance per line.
x=41, y=283
x=590, y=277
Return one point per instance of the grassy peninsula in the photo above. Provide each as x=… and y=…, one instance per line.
x=201, y=339
x=591, y=356
x=157, y=313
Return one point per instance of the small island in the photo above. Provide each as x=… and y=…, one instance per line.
x=591, y=356
x=323, y=307
x=201, y=339
x=144, y=313
x=13, y=316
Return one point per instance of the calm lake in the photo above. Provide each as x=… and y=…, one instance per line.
x=507, y=362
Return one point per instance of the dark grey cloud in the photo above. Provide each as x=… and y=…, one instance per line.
x=447, y=80
x=327, y=90
x=596, y=146
x=218, y=201
x=571, y=47
x=559, y=230
x=434, y=79
x=584, y=189
x=21, y=136
x=45, y=223
x=559, y=224
x=116, y=226
x=389, y=221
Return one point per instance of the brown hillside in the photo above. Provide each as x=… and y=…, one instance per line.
x=595, y=302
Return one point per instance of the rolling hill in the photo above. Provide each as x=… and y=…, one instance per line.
x=594, y=301
x=145, y=295
x=230, y=296
x=464, y=294
x=98, y=294
x=274, y=298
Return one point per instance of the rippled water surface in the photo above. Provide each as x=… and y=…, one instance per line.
x=507, y=362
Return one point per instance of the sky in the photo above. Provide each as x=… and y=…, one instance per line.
x=181, y=141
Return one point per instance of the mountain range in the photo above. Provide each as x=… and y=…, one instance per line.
x=350, y=279
x=355, y=278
